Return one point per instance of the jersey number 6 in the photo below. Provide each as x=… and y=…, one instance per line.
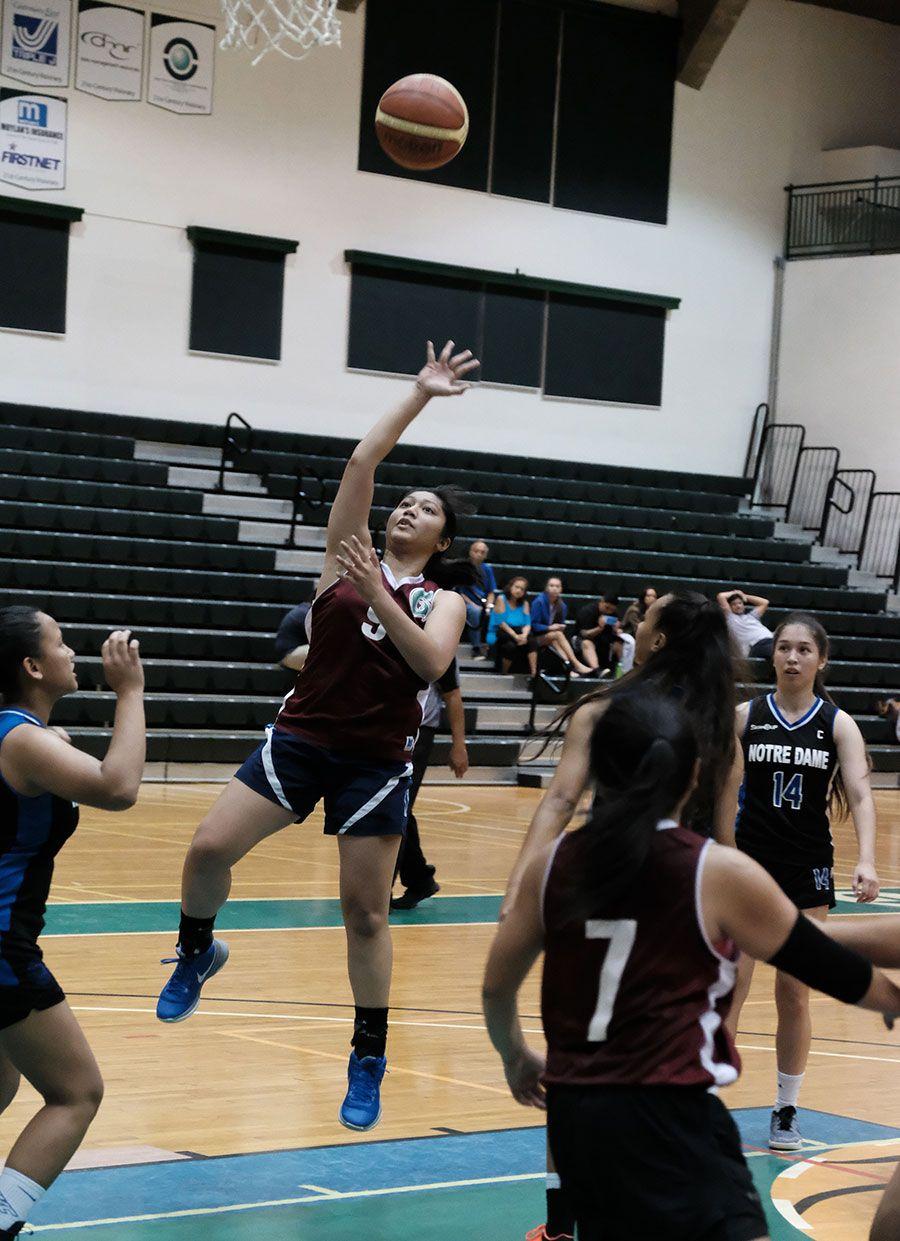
x=620, y=932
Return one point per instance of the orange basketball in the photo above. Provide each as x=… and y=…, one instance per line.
x=422, y=121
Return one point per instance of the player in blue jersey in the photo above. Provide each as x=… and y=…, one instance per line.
x=798, y=757
x=42, y=780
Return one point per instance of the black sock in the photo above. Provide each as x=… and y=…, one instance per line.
x=370, y=1031
x=194, y=934
x=560, y=1216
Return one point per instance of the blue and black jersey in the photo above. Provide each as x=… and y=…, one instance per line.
x=32, y=832
x=788, y=770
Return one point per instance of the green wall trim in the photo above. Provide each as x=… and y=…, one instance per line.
x=241, y=241
x=511, y=280
x=28, y=206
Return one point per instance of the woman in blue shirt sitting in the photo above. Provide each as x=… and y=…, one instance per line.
x=509, y=631
x=548, y=624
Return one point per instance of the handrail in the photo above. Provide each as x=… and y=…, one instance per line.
x=231, y=449
x=755, y=442
x=843, y=217
x=775, y=482
x=882, y=559
x=302, y=499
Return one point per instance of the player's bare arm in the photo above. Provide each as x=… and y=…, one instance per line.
x=854, y=764
x=349, y=516
x=727, y=801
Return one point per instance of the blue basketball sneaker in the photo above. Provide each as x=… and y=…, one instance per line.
x=361, y=1108
x=181, y=994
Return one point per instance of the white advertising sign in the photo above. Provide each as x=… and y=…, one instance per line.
x=34, y=41
x=182, y=56
x=32, y=140
x=109, y=50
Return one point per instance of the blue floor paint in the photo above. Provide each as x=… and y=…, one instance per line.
x=228, y=1180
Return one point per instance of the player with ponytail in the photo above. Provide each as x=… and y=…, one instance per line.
x=641, y=921
x=799, y=759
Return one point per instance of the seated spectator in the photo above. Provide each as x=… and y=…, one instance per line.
x=635, y=612
x=750, y=635
x=292, y=639
x=889, y=708
x=479, y=597
x=509, y=629
x=597, y=635
x=548, y=624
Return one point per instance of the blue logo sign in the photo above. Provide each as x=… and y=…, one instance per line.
x=35, y=39
x=33, y=113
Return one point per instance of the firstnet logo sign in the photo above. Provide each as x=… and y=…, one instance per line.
x=30, y=112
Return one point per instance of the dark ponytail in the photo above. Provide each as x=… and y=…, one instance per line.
x=837, y=795
x=444, y=572
x=20, y=639
x=643, y=752
x=698, y=666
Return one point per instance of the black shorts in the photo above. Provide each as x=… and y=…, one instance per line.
x=37, y=990
x=652, y=1163
x=362, y=798
x=809, y=884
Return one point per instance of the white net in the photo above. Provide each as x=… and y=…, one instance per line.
x=291, y=27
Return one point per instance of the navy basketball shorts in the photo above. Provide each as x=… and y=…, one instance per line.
x=809, y=883
x=361, y=797
x=35, y=991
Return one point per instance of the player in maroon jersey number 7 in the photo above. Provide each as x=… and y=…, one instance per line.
x=641, y=922
x=379, y=634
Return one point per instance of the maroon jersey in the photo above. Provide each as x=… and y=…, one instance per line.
x=637, y=997
x=356, y=691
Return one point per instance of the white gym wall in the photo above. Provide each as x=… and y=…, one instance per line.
x=279, y=157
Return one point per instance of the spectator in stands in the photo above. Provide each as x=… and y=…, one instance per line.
x=479, y=597
x=752, y=638
x=597, y=638
x=509, y=629
x=635, y=612
x=889, y=708
x=548, y=624
x=416, y=874
x=292, y=639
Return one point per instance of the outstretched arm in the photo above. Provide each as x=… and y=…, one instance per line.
x=854, y=764
x=727, y=799
x=442, y=376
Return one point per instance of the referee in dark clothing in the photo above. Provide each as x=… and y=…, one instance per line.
x=416, y=875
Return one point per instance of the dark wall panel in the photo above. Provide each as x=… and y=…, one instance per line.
x=393, y=314
x=34, y=257
x=606, y=351
x=512, y=336
x=615, y=113
x=456, y=41
x=525, y=99
x=236, y=301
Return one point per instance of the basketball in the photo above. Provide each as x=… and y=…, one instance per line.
x=422, y=121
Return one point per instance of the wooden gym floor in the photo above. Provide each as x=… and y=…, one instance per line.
x=225, y=1127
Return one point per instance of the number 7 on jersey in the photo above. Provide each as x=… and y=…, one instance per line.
x=621, y=933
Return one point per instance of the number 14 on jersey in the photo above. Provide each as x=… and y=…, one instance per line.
x=792, y=792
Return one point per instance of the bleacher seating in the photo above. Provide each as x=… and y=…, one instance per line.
x=108, y=520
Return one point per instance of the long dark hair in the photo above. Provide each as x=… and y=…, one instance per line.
x=516, y=577
x=837, y=795
x=697, y=665
x=439, y=569
x=643, y=752
x=20, y=639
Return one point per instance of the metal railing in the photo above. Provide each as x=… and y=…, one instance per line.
x=843, y=217
x=846, y=506
x=754, y=444
x=309, y=495
x=880, y=549
x=237, y=448
x=777, y=461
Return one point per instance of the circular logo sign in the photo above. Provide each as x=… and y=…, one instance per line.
x=181, y=59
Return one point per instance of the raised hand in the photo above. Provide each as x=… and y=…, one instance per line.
x=443, y=376
x=359, y=564
x=122, y=662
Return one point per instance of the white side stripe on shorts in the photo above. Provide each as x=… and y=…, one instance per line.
x=269, y=769
x=376, y=800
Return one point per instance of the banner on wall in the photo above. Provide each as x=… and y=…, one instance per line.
x=32, y=140
x=109, y=50
x=35, y=41
x=182, y=56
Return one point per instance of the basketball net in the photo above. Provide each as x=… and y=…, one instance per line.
x=292, y=27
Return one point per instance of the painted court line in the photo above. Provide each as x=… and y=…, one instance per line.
x=324, y=1196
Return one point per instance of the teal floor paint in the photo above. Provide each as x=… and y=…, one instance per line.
x=149, y=917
